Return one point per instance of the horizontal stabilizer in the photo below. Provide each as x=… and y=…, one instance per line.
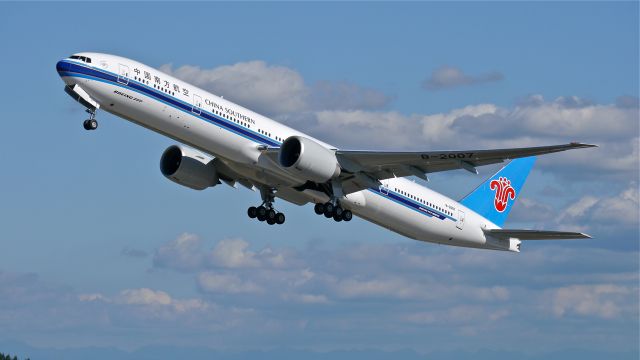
x=535, y=234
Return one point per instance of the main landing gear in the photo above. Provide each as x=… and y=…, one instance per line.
x=266, y=212
x=91, y=123
x=329, y=210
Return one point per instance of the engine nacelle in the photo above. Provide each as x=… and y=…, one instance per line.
x=188, y=167
x=308, y=159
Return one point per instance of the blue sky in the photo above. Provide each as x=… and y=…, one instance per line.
x=98, y=249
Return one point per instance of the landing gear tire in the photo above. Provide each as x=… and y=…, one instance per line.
x=328, y=208
x=90, y=124
x=261, y=212
x=337, y=218
x=252, y=212
x=319, y=209
x=337, y=211
x=280, y=218
x=271, y=221
x=271, y=215
x=347, y=215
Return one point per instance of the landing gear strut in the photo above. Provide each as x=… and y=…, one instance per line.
x=266, y=211
x=91, y=123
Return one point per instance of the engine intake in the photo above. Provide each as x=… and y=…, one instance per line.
x=188, y=167
x=308, y=159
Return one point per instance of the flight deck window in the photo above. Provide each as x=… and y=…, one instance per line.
x=81, y=58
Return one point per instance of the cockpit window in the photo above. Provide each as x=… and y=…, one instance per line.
x=81, y=58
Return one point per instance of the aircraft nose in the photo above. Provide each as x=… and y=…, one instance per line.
x=62, y=66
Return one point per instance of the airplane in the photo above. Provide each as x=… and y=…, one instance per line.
x=222, y=142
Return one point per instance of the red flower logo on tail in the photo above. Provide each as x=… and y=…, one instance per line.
x=504, y=192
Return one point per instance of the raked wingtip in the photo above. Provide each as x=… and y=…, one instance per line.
x=582, y=145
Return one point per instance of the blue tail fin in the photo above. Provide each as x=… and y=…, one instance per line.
x=493, y=198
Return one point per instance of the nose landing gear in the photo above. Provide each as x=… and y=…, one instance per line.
x=91, y=123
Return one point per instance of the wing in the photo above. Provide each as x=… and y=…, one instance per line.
x=535, y=234
x=365, y=169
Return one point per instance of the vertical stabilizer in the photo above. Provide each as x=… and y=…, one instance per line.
x=494, y=198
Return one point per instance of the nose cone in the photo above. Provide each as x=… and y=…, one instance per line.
x=62, y=66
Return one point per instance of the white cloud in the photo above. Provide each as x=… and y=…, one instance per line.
x=277, y=90
x=268, y=88
x=91, y=297
x=622, y=209
x=184, y=253
x=576, y=117
x=412, y=288
x=188, y=253
x=446, y=77
x=531, y=210
x=210, y=282
x=487, y=126
x=579, y=208
x=144, y=296
x=441, y=128
x=233, y=253
x=153, y=302
x=387, y=287
x=364, y=128
x=306, y=298
x=602, y=300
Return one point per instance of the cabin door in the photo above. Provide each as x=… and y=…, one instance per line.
x=197, y=104
x=384, y=188
x=460, y=222
x=123, y=74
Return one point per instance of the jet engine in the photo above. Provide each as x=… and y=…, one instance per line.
x=188, y=167
x=308, y=159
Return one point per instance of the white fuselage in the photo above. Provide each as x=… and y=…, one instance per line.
x=236, y=135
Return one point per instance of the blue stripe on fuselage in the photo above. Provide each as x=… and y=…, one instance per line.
x=76, y=70
x=411, y=204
